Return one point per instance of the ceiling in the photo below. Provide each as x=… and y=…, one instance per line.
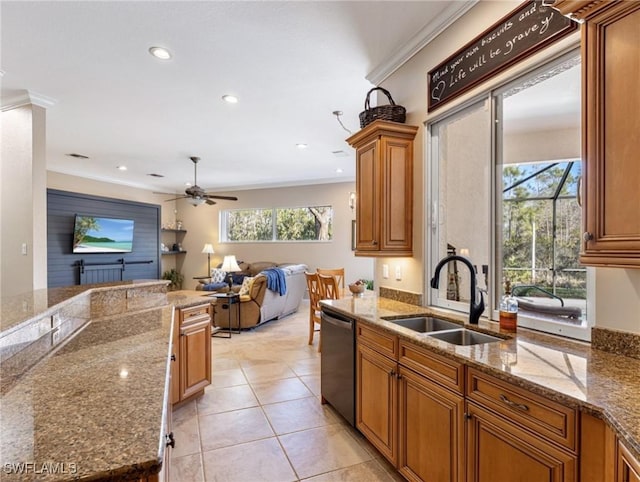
x=291, y=64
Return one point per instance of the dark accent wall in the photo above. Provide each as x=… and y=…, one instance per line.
x=62, y=207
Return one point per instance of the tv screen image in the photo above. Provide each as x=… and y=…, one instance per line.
x=92, y=234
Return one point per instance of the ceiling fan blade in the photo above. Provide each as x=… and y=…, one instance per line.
x=227, y=198
x=210, y=202
x=175, y=198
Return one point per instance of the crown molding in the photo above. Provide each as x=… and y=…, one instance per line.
x=430, y=31
x=27, y=97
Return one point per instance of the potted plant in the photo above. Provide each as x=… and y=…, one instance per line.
x=175, y=277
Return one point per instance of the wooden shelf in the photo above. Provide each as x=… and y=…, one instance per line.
x=172, y=252
x=181, y=231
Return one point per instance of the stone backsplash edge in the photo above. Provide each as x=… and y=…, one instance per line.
x=614, y=341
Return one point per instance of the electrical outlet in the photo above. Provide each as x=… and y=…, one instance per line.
x=398, y=273
x=24, y=248
x=385, y=271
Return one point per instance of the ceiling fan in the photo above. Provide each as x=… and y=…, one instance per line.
x=195, y=194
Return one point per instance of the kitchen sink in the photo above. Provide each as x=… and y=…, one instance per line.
x=464, y=337
x=425, y=324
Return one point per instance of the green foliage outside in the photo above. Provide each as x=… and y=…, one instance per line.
x=304, y=224
x=250, y=225
x=83, y=225
x=292, y=224
x=528, y=222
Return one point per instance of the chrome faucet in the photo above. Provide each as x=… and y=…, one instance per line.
x=475, y=309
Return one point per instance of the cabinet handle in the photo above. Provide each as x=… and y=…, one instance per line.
x=579, y=191
x=171, y=442
x=374, y=243
x=519, y=406
x=587, y=237
x=398, y=376
x=173, y=357
x=392, y=373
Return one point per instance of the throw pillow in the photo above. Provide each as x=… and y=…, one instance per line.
x=217, y=275
x=246, y=286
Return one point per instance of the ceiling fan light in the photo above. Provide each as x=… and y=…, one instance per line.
x=195, y=201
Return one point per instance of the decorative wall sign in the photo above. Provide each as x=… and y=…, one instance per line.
x=521, y=33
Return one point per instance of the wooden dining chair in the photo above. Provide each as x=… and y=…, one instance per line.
x=329, y=289
x=313, y=285
x=337, y=272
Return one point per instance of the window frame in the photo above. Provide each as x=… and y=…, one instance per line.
x=223, y=220
x=432, y=225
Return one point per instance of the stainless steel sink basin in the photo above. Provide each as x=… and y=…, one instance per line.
x=464, y=337
x=425, y=324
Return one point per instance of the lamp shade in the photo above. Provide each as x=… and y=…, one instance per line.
x=230, y=265
x=208, y=248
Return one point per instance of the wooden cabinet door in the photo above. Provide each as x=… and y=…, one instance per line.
x=368, y=201
x=397, y=196
x=611, y=100
x=431, y=426
x=195, y=352
x=628, y=467
x=377, y=400
x=500, y=451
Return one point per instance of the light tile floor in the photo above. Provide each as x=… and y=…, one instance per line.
x=261, y=418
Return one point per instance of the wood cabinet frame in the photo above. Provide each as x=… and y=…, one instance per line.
x=610, y=123
x=384, y=189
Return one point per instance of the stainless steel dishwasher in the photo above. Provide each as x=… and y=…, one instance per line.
x=337, y=378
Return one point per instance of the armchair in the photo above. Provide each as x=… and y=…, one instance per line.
x=249, y=306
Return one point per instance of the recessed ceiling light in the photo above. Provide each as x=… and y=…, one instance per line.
x=160, y=53
x=122, y=168
x=230, y=99
x=301, y=146
x=339, y=171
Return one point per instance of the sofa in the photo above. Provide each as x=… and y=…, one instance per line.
x=261, y=304
x=218, y=284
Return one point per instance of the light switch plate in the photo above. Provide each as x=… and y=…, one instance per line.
x=398, y=273
x=385, y=271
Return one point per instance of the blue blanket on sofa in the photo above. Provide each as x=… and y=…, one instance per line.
x=276, y=280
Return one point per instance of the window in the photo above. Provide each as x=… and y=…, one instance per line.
x=313, y=223
x=525, y=186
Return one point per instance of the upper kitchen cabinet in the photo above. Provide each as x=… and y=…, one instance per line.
x=611, y=122
x=384, y=187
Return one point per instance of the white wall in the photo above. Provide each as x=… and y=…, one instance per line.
x=202, y=225
x=542, y=146
x=22, y=202
x=617, y=290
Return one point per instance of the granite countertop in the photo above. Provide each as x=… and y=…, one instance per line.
x=23, y=308
x=603, y=384
x=95, y=407
x=187, y=298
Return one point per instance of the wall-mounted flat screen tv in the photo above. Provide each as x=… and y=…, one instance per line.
x=92, y=234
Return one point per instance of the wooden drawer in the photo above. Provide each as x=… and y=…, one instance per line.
x=199, y=311
x=550, y=420
x=379, y=340
x=439, y=369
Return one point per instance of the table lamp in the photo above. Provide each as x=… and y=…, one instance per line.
x=230, y=265
x=208, y=248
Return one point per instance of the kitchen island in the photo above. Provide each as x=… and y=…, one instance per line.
x=84, y=382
